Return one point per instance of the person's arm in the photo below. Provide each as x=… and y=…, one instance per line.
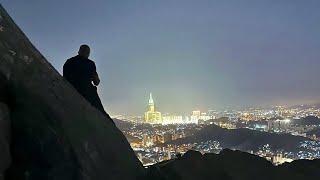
x=66, y=72
x=95, y=79
x=95, y=76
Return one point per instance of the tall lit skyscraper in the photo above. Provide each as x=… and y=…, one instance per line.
x=152, y=116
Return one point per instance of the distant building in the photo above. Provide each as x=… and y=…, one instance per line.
x=147, y=141
x=152, y=116
x=213, y=114
x=278, y=125
x=172, y=119
x=197, y=115
x=205, y=117
x=279, y=159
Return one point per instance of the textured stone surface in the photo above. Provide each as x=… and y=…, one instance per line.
x=5, y=157
x=56, y=134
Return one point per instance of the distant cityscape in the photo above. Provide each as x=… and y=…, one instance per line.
x=156, y=137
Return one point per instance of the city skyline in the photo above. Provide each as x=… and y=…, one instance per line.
x=279, y=135
x=190, y=54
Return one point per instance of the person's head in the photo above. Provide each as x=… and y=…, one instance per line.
x=84, y=51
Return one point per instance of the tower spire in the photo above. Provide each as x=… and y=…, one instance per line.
x=151, y=102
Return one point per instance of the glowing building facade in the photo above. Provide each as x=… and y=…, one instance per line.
x=152, y=116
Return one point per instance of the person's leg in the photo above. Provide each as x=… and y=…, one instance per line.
x=96, y=102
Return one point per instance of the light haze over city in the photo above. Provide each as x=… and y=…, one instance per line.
x=198, y=54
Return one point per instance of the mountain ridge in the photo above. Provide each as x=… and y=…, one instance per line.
x=243, y=139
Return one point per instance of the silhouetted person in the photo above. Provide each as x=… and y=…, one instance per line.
x=81, y=73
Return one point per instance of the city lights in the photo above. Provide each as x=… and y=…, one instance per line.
x=153, y=135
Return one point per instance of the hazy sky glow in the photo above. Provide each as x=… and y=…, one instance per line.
x=192, y=54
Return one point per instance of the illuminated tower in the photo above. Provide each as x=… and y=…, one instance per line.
x=152, y=116
x=151, y=103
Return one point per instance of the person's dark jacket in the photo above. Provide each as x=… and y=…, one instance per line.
x=80, y=72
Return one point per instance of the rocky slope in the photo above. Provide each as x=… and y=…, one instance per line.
x=56, y=134
x=5, y=157
x=235, y=165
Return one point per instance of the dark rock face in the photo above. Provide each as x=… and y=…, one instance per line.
x=4, y=128
x=55, y=133
x=235, y=165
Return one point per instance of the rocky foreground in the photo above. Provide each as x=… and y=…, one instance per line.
x=235, y=165
x=48, y=131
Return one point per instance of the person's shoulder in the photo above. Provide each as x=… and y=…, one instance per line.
x=91, y=62
x=71, y=60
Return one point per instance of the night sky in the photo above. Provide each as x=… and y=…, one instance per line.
x=191, y=54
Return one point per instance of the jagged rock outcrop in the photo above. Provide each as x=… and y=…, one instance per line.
x=55, y=133
x=235, y=165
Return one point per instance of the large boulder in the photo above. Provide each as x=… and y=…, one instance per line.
x=55, y=132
